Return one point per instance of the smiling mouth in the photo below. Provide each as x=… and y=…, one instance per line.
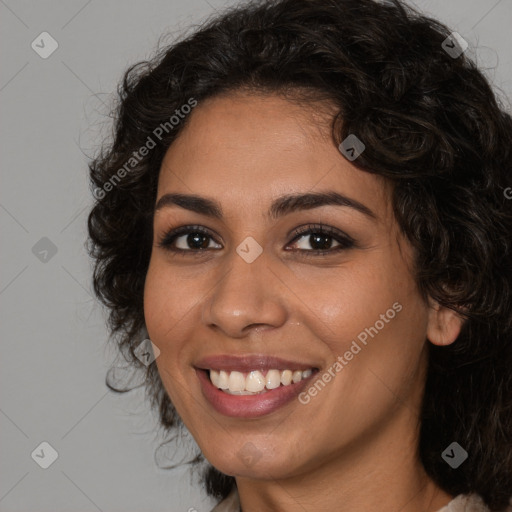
x=256, y=382
x=251, y=387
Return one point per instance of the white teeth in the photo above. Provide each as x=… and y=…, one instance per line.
x=255, y=382
x=273, y=379
x=223, y=380
x=235, y=383
x=286, y=377
x=296, y=376
x=214, y=377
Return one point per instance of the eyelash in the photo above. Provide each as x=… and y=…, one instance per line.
x=345, y=241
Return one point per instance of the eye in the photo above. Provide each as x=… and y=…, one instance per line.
x=188, y=239
x=316, y=239
x=320, y=239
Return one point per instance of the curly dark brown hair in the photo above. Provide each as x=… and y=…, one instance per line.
x=431, y=124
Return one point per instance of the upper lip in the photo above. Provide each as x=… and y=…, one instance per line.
x=249, y=362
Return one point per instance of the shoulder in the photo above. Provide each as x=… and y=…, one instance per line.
x=466, y=503
x=461, y=503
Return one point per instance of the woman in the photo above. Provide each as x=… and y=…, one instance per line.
x=305, y=210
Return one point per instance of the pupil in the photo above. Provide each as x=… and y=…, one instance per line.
x=197, y=241
x=320, y=242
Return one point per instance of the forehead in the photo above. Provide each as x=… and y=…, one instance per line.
x=250, y=149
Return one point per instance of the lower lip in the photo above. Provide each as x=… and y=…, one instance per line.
x=249, y=406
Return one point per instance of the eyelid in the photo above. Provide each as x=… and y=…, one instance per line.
x=323, y=229
x=171, y=235
x=344, y=240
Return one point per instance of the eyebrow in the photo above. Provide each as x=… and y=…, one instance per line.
x=280, y=207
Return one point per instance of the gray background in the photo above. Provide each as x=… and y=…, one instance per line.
x=54, y=350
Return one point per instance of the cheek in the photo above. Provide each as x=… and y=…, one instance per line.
x=167, y=301
x=163, y=312
x=156, y=302
x=171, y=312
x=376, y=323
x=371, y=315
x=341, y=303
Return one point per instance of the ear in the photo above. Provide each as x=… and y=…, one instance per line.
x=444, y=324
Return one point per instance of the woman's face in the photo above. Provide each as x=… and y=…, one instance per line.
x=249, y=293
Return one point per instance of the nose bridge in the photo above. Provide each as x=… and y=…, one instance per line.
x=247, y=294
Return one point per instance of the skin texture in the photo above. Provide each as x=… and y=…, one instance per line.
x=353, y=446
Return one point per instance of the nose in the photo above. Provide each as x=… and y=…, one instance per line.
x=248, y=295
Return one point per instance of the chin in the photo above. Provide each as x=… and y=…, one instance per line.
x=248, y=461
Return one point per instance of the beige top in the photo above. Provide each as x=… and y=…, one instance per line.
x=462, y=503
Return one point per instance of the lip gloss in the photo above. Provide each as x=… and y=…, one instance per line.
x=249, y=406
